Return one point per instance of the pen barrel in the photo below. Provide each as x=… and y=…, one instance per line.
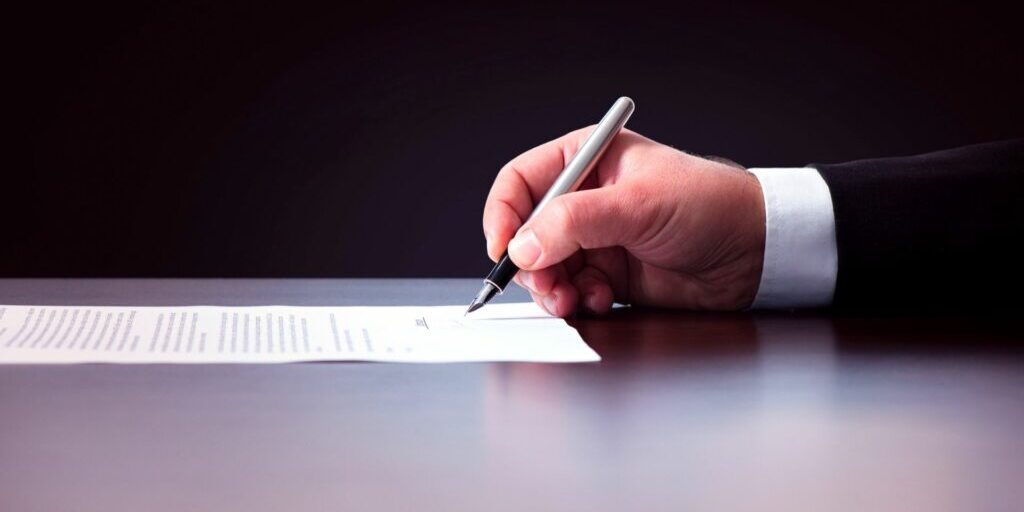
x=590, y=152
x=572, y=176
x=502, y=273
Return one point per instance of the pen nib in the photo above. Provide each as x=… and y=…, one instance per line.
x=473, y=306
x=486, y=294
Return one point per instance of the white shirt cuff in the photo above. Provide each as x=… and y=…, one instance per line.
x=800, y=258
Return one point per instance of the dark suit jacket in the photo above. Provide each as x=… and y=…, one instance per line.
x=940, y=229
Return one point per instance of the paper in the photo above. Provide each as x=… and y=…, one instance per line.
x=280, y=334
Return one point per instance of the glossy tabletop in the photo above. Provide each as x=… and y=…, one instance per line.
x=741, y=411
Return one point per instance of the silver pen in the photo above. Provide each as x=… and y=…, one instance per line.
x=569, y=180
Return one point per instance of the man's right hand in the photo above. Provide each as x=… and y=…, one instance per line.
x=650, y=226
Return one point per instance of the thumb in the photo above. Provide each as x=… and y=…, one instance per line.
x=587, y=219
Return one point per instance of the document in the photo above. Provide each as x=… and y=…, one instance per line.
x=281, y=334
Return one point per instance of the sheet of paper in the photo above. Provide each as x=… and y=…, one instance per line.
x=280, y=334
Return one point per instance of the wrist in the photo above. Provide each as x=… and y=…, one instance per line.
x=756, y=228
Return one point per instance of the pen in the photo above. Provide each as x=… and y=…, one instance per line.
x=569, y=180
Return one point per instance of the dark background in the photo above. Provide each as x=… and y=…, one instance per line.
x=361, y=140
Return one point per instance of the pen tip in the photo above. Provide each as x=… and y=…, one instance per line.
x=473, y=306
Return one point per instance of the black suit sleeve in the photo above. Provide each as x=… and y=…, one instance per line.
x=940, y=229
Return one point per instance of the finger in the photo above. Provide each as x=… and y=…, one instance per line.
x=542, y=280
x=563, y=298
x=586, y=219
x=520, y=184
x=614, y=265
x=500, y=224
x=594, y=290
x=518, y=279
x=539, y=300
x=538, y=281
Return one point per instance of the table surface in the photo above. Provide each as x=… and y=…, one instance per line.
x=775, y=411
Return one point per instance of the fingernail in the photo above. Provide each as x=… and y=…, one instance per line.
x=524, y=248
x=549, y=303
x=488, y=238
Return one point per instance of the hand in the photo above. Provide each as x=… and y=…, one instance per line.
x=651, y=225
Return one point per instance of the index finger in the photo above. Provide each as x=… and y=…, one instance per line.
x=520, y=184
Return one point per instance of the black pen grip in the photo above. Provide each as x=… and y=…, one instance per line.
x=503, y=272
